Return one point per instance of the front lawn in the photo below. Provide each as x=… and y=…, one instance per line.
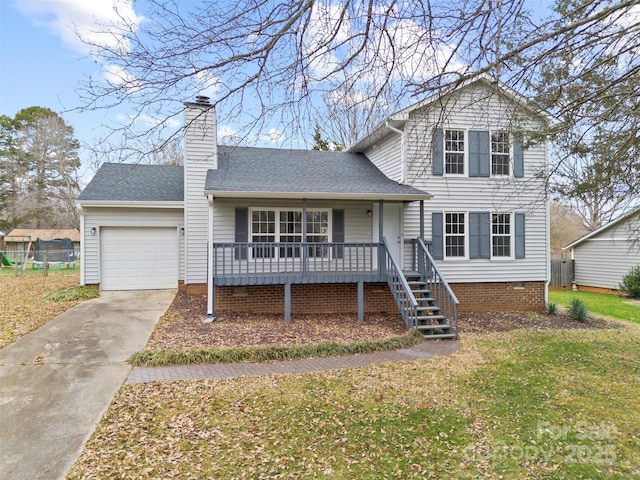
x=22, y=305
x=519, y=404
x=600, y=304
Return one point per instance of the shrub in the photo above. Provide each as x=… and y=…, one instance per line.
x=73, y=294
x=578, y=310
x=631, y=282
x=552, y=308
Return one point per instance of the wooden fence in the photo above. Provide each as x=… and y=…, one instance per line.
x=561, y=274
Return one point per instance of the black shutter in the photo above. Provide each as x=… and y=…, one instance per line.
x=437, y=154
x=338, y=233
x=242, y=232
x=437, y=236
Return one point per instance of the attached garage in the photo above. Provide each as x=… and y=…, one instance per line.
x=139, y=258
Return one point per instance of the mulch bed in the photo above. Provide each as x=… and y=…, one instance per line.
x=182, y=328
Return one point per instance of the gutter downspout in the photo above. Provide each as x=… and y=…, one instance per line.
x=210, y=287
x=80, y=211
x=403, y=173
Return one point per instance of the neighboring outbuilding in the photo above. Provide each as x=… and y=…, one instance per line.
x=20, y=240
x=602, y=257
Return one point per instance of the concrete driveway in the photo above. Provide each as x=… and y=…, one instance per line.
x=56, y=382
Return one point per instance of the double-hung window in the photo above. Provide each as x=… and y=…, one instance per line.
x=263, y=231
x=501, y=235
x=454, y=235
x=284, y=227
x=454, y=148
x=500, y=153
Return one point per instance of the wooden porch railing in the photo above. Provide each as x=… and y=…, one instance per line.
x=435, y=282
x=405, y=299
x=259, y=263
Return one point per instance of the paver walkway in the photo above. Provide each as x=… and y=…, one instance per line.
x=229, y=370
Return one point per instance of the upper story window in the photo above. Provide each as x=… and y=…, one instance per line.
x=501, y=233
x=454, y=235
x=476, y=153
x=500, y=153
x=454, y=148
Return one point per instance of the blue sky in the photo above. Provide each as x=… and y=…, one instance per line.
x=42, y=63
x=36, y=68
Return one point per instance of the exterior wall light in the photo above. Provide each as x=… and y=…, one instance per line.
x=181, y=230
x=93, y=230
x=369, y=213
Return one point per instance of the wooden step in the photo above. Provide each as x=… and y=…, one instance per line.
x=445, y=326
x=430, y=317
x=429, y=308
x=439, y=335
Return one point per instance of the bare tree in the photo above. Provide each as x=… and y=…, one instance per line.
x=270, y=62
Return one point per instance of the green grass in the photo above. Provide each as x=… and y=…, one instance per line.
x=271, y=352
x=600, y=304
x=553, y=404
x=29, y=271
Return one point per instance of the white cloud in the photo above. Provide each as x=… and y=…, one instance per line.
x=150, y=121
x=96, y=21
x=274, y=136
x=206, y=84
x=116, y=75
x=226, y=134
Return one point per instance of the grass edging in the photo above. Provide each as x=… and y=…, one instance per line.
x=155, y=358
x=73, y=294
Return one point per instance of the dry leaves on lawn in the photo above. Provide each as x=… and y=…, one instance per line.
x=22, y=306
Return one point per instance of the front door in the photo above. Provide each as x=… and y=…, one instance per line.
x=391, y=227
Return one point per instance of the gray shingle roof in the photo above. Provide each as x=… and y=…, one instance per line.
x=305, y=172
x=127, y=182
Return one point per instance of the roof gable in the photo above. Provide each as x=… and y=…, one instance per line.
x=126, y=182
x=603, y=229
x=397, y=120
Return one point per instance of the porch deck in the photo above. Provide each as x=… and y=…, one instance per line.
x=422, y=295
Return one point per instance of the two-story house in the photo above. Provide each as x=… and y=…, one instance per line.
x=440, y=208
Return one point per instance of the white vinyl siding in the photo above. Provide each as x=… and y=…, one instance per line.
x=138, y=258
x=387, y=156
x=477, y=108
x=358, y=224
x=602, y=260
x=200, y=156
x=99, y=218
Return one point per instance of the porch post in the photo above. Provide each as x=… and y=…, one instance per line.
x=381, y=257
x=360, y=301
x=287, y=302
x=422, y=219
x=303, y=253
x=211, y=314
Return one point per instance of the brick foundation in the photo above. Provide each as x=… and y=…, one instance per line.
x=343, y=297
x=500, y=296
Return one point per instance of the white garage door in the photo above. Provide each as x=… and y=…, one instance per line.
x=138, y=258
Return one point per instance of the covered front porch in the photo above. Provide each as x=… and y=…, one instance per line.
x=318, y=219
